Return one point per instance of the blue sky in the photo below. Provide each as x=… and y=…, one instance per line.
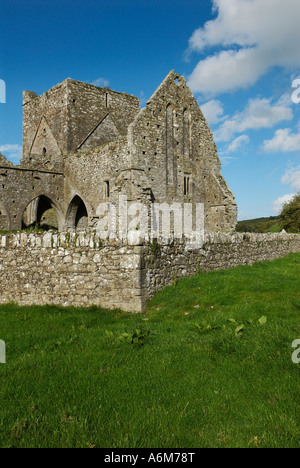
x=240, y=57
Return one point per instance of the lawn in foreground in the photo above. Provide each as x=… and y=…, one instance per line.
x=210, y=366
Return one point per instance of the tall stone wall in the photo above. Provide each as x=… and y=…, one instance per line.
x=172, y=142
x=73, y=116
x=45, y=122
x=79, y=270
x=98, y=115
x=89, y=171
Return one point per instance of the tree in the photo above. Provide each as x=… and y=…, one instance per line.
x=290, y=215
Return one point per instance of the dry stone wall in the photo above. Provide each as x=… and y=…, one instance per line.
x=168, y=261
x=69, y=269
x=80, y=270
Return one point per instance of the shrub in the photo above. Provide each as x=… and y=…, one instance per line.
x=290, y=215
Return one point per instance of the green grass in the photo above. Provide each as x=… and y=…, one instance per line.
x=74, y=379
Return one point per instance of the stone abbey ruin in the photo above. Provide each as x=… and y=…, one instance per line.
x=84, y=146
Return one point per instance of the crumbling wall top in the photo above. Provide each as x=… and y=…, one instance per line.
x=4, y=161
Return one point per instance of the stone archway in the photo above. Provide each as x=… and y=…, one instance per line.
x=42, y=213
x=77, y=215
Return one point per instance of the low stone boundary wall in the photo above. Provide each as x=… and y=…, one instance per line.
x=168, y=261
x=80, y=270
x=69, y=269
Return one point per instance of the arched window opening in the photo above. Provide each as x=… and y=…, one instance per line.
x=77, y=215
x=41, y=213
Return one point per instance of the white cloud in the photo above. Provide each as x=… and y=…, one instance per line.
x=286, y=99
x=12, y=152
x=226, y=160
x=283, y=140
x=101, y=82
x=213, y=111
x=237, y=143
x=292, y=178
x=278, y=204
x=226, y=71
x=255, y=35
x=258, y=114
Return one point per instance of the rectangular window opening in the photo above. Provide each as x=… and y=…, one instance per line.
x=107, y=189
x=187, y=183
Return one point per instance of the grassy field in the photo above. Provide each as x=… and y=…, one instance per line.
x=262, y=225
x=209, y=365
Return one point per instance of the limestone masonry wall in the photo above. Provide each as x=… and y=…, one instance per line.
x=79, y=269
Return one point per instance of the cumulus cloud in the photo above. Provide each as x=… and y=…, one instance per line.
x=292, y=178
x=12, y=152
x=278, y=204
x=254, y=35
x=213, y=111
x=258, y=114
x=226, y=71
x=283, y=140
x=237, y=143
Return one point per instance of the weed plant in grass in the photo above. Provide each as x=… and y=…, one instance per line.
x=208, y=365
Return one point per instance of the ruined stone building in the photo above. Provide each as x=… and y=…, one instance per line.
x=83, y=145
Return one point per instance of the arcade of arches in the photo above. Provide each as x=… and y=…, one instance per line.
x=43, y=213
